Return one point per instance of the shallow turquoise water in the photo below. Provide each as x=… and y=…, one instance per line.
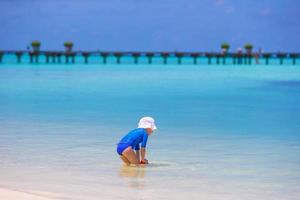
x=225, y=132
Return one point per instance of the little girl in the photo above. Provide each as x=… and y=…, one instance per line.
x=129, y=146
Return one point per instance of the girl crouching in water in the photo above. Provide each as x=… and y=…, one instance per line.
x=129, y=146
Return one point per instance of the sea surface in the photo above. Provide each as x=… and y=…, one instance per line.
x=229, y=132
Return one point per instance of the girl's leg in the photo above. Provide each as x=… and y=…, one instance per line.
x=125, y=160
x=129, y=154
x=138, y=155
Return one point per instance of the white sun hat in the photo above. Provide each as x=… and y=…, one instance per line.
x=147, y=122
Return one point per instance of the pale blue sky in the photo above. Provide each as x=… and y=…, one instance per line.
x=183, y=25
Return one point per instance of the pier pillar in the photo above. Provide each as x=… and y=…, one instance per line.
x=195, y=60
x=53, y=56
x=195, y=56
x=150, y=56
x=1, y=56
x=179, y=56
x=19, y=56
x=30, y=57
x=86, y=57
x=104, y=56
x=209, y=55
x=245, y=58
x=73, y=57
x=218, y=59
x=118, y=55
x=136, y=57
x=105, y=59
x=67, y=58
x=59, y=57
x=239, y=59
x=36, y=57
x=234, y=59
x=249, y=59
x=281, y=56
x=165, y=57
x=47, y=54
x=294, y=57
x=224, y=58
x=267, y=57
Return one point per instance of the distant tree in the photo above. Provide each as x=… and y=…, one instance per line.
x=36, y=45
x=225, y=46
x=69, y=46
x=248, y=48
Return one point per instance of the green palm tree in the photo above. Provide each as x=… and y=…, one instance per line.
x=36, y=45
x=248, y=58
x=69, y=46
x=224, y=50
x=248, y=48
x=225, y=47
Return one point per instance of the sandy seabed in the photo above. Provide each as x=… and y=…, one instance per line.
x=8, y=194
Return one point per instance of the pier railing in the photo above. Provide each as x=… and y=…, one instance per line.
x=219, y=58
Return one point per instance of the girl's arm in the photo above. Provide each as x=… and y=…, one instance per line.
x=137, y=152
x=143, y=154
x=143, y=149
x=138, y=155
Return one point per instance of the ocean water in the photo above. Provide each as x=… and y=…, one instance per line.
x=224, y=132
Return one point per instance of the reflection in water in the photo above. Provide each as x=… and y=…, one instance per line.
x=134, y=176
x=132, y=171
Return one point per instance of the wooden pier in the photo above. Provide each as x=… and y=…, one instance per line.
x=219, y=58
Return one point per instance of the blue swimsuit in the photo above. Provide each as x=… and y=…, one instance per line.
x=133, y=139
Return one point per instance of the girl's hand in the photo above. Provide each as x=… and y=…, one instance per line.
x=144, y=161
